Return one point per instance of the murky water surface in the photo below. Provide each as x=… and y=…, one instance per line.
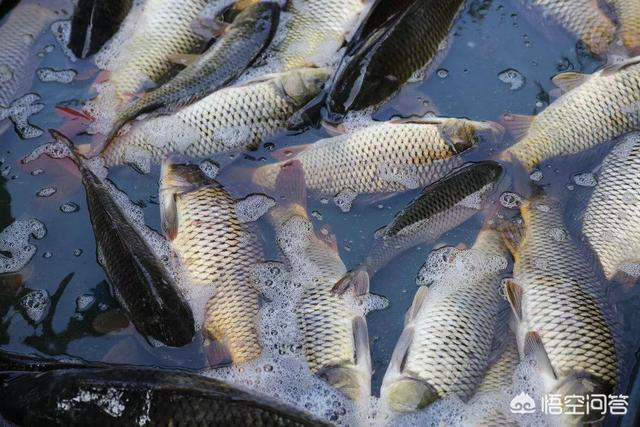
x=59, y=302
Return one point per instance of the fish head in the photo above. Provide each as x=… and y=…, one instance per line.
x=302, y=85
x=409, y=394
x=177, y=172
x=463, y=134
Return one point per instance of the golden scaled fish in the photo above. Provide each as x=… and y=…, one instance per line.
x=216, y=251
x=390, y=157
x=564, y=320
x=583, y=18
x=334, y=335
x=628, y=15
x=612, y=218
x=229, y=120
x=595, y=108
x=163, y=29
x=315, y=31
x=446, y=344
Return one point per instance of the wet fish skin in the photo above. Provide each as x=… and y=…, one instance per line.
x=229, y=120
x=217, y=251
x=136, y=396
x=374, y=69
x=423, y=150
x=334, y=337
x=94, y=23
x=564, y=320
x=610, y=223
x=163, y=29
x=18, y=34
x=142, y=285
x=628, y=14
x=441, y=207
x=315, y=32
x=381, y=13
x=583, y=18
x=595, y=109
x=242, y=43
x=446, y=345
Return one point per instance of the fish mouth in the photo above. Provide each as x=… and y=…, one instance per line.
x=491, y=131
x=409, y=395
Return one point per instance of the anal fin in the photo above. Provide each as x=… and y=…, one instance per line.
x=514, y=293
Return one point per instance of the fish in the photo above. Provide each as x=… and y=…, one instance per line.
x=315, y=32
x=242, y=42
x=6, y=6
x=19, y=33
x=335, y=338
x=217, y=251
x=594, y=109
x=497, y=379
x=440, y=207
x=163, y=29
x=381, y=13
x=82, y=395
x=94, y=23
x=582, y=18
x=564, y=321
x=610, y=220
x=628, y=15
x=229, y=120
x=391, y=156
x=375, y=68
x=446, y=345
x=141, y=283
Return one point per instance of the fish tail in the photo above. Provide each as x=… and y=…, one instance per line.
x=357, y=280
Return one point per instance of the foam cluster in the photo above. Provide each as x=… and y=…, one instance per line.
x=14, y=240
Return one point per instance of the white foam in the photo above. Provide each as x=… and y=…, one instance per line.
x=84, y=302
x=55, y=150
x=405, y=175
x=36, y=305
x=15, y=240
x=344, y=199
x=62, y=32
x=47, y=75
x=476, y=200
x=20, y=111
x=46, y=192
x=585, y=179
x=513, y=78
x=69, y=207
x=210, y=168
x=252, y=207
x=536, y=175
x=110, y=401
x=510, y=200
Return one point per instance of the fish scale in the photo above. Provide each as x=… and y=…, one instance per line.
x=628, y=14
x=163, y=29
x=583, y=18
x=228, y=120
x=564, y=302
x=447, y=327
x=218, y=252
x=612, y=214
x=24, y=24
x=604, y=106
x=315, y=31
x=419, y=152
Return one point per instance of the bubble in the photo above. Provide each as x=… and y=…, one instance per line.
x=46, y=192
x=536, y=175
x=209, y=168
x=20, y=111
x=55, y=150
x=558, y=234
x=510, y=200
x=47, y=255
x=15, y=240
x=48, y=75
x=253, y=207
x=513, y=78
x=442, y=73
x=37, y=172
x=317, y=215
x=36, y=305
x=84, y=302
x=344, y=199
x=5, y=73
x=585, y=179
x=69, y=207
x=77, y=252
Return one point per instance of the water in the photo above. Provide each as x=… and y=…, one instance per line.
x=81, y=317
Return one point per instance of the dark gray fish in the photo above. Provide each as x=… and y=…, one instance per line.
x=136, y=397
x=441, y=207
x=248, y=36
x=143, y=286
x=375, y=67
x=94, y=23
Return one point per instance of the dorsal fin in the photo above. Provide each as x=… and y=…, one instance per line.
x=517, y=124
x=614, y=68
x=570, y=80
